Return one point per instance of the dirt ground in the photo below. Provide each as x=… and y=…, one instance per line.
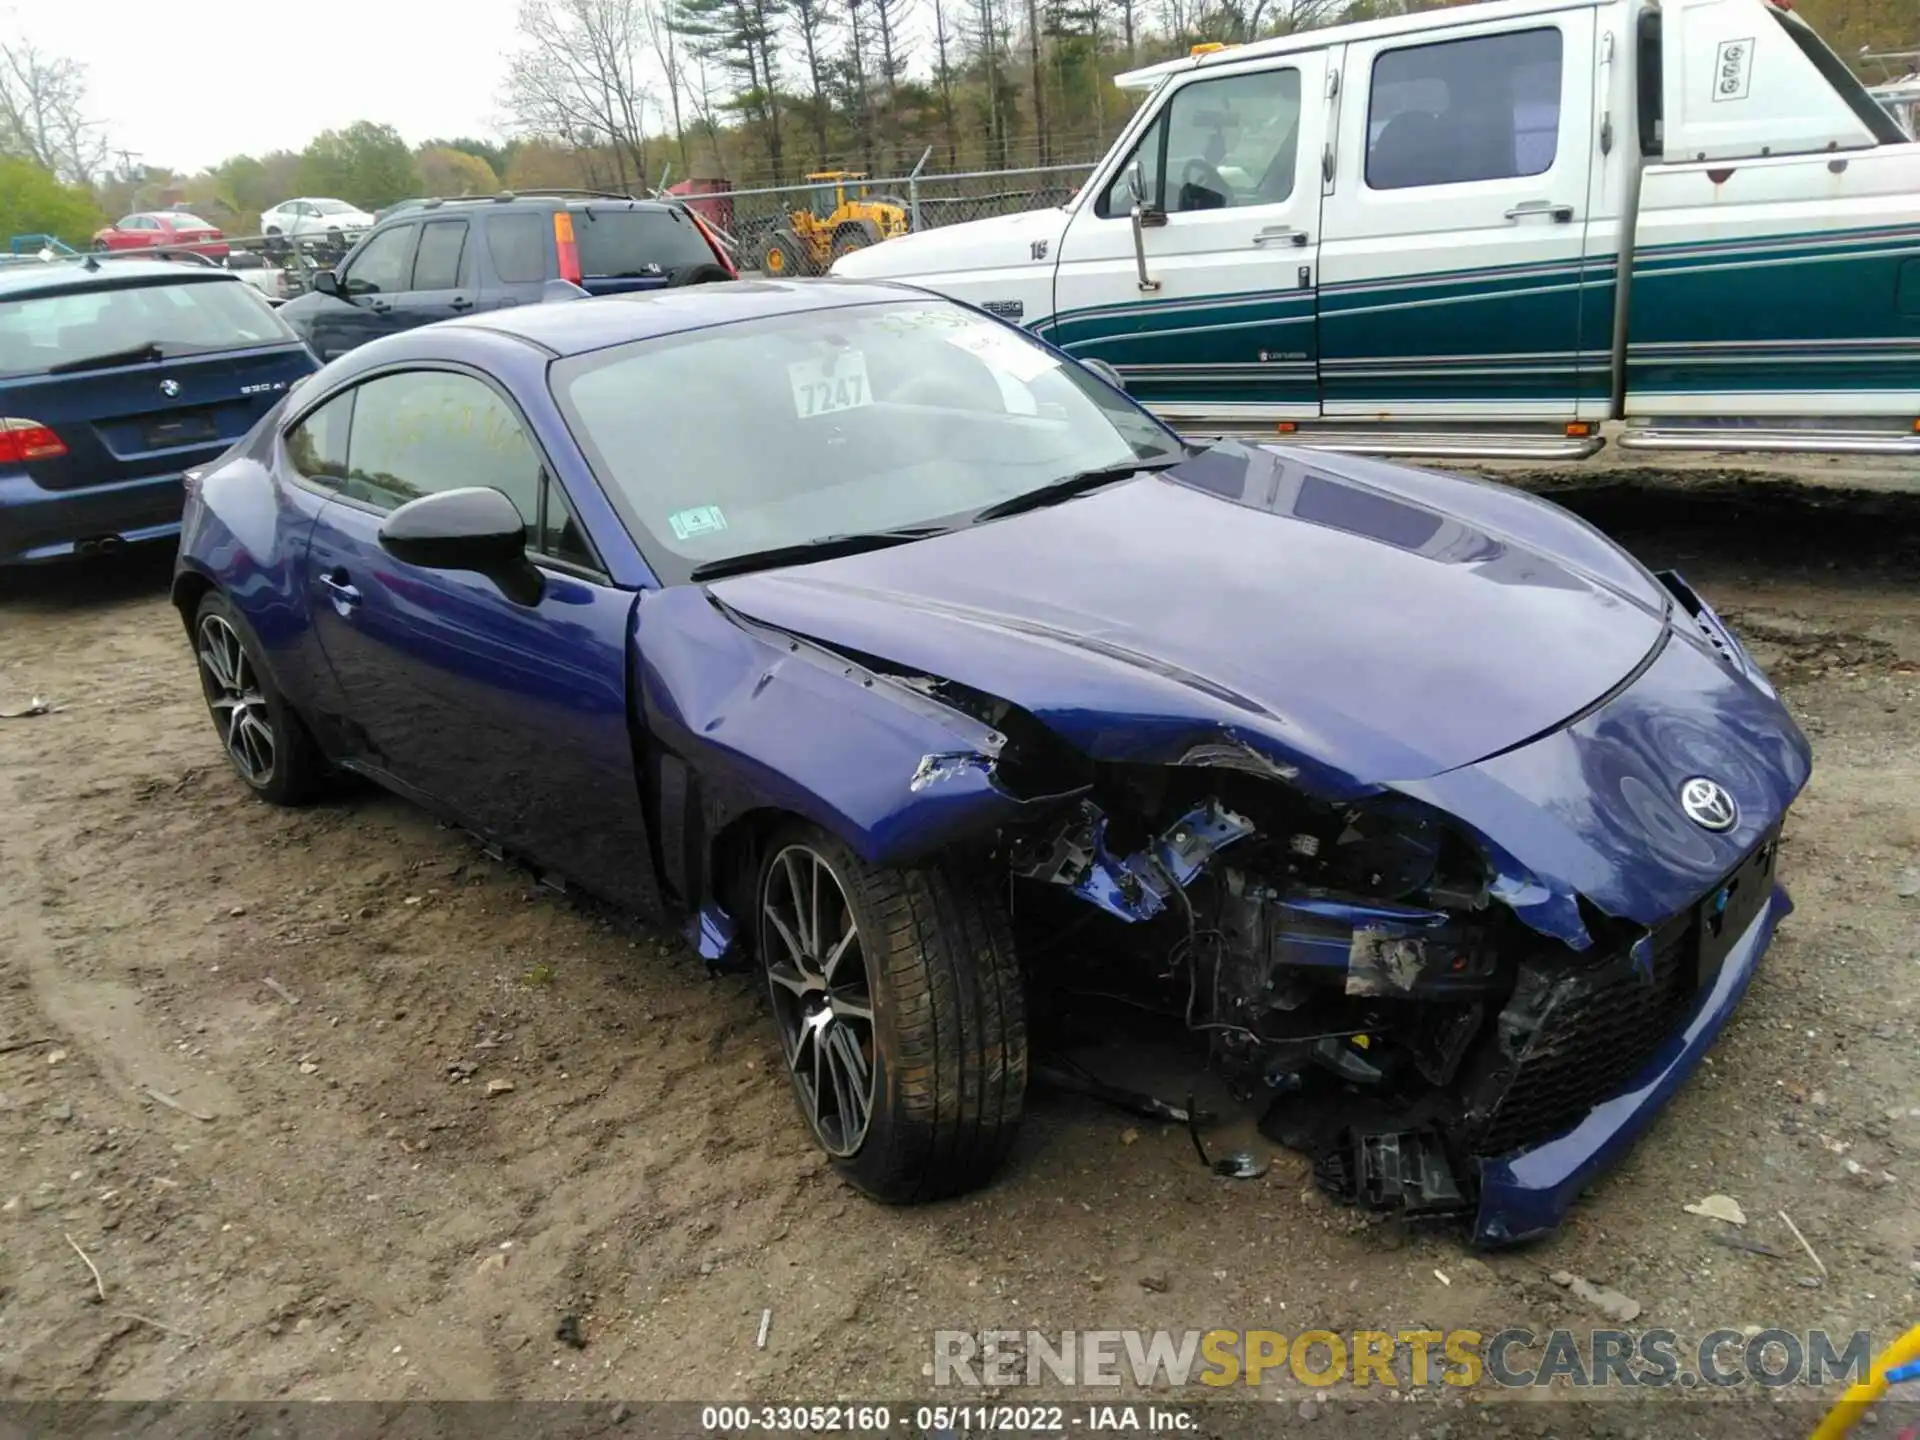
x=336, y=1203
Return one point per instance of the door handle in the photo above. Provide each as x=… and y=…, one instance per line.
x=1560, y=214
x=381, y=307
x=1276, y=234
x=344, y=595
x=460, y=303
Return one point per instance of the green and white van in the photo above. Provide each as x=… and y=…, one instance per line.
x=1483, y=231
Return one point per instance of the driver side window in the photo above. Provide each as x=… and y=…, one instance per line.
x=1233, y=141
x=1229, y=142
x=384, y=265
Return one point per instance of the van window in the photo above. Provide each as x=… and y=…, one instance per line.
x=1487, y=108
x=1233, y=141
x=1229, y=142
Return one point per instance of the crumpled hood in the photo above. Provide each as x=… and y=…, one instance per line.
x=999, y=242
x=1356, y=621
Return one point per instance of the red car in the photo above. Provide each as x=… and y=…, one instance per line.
x=149, y=228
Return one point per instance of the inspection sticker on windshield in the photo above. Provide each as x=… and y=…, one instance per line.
x=1003, y=351
x=701, y=520
x=837, y=382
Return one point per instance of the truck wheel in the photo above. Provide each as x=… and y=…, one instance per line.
x=849, y=239
x=780, y=259
x=902, y=1020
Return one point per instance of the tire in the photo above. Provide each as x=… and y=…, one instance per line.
x=239, y=695
x=945, y=1047
x=781, y=259
x=849, y=239
x=99, y=247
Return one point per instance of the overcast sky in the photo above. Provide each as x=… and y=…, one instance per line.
x=186, y=86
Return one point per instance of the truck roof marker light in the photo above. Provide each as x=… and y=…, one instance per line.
x=1209, y=47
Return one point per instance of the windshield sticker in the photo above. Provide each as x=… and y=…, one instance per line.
x=701, y=520
x=837, y=382
x=1003, y=351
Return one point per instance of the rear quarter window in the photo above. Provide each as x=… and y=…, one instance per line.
x=520, y=246
x=637, y=242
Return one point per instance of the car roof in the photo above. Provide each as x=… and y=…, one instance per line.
x=573, y=327
x=50, y=277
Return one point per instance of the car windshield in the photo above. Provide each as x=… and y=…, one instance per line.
x=333, y=207
x=791, y=429
x=179, y=317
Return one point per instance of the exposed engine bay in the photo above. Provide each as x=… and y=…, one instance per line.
x=1350, y=970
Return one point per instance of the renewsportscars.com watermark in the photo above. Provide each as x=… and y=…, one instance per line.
x=1400, y=1359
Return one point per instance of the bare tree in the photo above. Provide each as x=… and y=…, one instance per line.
x=575, y=74
x=811, y=22
x=665, y=42
x=43, y=114
x=943, y=82
x=1039, y=83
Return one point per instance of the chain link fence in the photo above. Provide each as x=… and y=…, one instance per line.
x=751, y=220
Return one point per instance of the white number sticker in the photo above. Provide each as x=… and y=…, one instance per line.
x=821, y=387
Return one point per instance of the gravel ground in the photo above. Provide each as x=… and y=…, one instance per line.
x=334, y=1201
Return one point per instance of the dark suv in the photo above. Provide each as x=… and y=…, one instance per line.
x=451, y=257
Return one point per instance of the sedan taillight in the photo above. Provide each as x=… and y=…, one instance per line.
x=24, y=440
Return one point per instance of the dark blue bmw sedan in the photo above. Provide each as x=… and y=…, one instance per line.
x=911, y=663
x=115, y=377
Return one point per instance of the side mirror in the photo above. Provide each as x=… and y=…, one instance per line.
x=1106, y=372
x=328, y=283
x=1137, y=183
x=469, y=529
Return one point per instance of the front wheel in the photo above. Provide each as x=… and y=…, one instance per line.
x=266, y=743
x=901, y=1015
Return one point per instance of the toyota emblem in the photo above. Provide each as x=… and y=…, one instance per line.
x=170, y=388
x=1708, y=804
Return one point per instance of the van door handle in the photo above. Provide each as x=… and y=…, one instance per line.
x=1276, y=234
x=1560, y=214
x=460, y=303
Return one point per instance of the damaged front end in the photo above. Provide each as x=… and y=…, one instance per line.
x=1355, y=974
x=1463, y=986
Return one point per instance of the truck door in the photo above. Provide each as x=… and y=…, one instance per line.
x=1210, y=319
x=1451, y=261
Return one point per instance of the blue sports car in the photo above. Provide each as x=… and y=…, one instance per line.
x=906, y=659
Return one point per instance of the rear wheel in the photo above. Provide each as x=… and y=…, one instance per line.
x=849, y=239
x=781, y=258
x=900, y=1011
x=266, y=743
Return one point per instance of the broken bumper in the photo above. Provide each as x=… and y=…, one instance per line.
x=1529, y=1192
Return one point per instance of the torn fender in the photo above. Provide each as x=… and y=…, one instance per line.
x=769, y=720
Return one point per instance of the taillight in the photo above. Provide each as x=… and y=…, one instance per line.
x=24, y=440
x=563, y=245
x=713, y=244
